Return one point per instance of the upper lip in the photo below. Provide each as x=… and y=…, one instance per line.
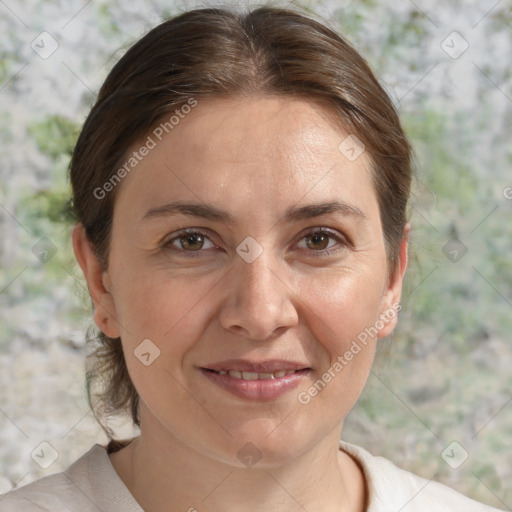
x=244, y=365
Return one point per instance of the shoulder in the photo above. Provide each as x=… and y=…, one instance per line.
x=67, y=491
x=48, y=493
x=392, y=488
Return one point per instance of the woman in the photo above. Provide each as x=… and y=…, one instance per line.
x=240, y=189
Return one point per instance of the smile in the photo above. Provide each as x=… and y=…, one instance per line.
x=258, y=386
x=235, y=374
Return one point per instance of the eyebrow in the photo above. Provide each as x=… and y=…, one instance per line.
x=293, y=214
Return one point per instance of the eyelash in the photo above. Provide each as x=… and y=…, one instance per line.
x=316, y=231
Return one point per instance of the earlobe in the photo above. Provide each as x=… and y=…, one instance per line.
x=96, y=278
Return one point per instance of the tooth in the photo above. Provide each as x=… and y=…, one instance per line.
x=255, y=376
x=249, y=375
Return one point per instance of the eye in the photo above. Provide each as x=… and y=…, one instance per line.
x=189, y=241
x=319, y=242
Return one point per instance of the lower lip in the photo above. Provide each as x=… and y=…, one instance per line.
x=258, y=389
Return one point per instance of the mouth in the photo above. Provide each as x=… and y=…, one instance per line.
x=260, y=381
x=236, y=374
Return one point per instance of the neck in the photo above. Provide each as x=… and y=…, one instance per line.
x=160, y=471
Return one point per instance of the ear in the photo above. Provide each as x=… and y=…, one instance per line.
x=98, y=283
x=390, y=305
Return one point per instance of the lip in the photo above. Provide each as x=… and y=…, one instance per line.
x=259, y=390
x=269, y=366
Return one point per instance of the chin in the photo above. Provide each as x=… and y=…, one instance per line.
x=263, y=447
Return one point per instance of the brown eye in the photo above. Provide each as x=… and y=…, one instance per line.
x=318, y=240
x=189, y=242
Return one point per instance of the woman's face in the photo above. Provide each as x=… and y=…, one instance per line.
x=261, y=287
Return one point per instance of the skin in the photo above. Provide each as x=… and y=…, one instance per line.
x=254, y=157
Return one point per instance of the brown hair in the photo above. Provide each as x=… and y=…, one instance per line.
x=214, y=52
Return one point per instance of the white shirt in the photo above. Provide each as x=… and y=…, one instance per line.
x=91, y=484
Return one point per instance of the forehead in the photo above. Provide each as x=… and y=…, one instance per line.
x=259, y=152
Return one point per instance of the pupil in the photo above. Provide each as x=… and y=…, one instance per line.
x=189, y=241
x=319, y=238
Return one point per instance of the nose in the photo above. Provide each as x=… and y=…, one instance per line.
x=260, y=300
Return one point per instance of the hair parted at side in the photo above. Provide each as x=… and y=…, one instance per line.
x=221, y=52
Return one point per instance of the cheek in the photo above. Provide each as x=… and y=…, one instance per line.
x=168, y=313
x=166, y=310
x=344, y=304
x=341, y=310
